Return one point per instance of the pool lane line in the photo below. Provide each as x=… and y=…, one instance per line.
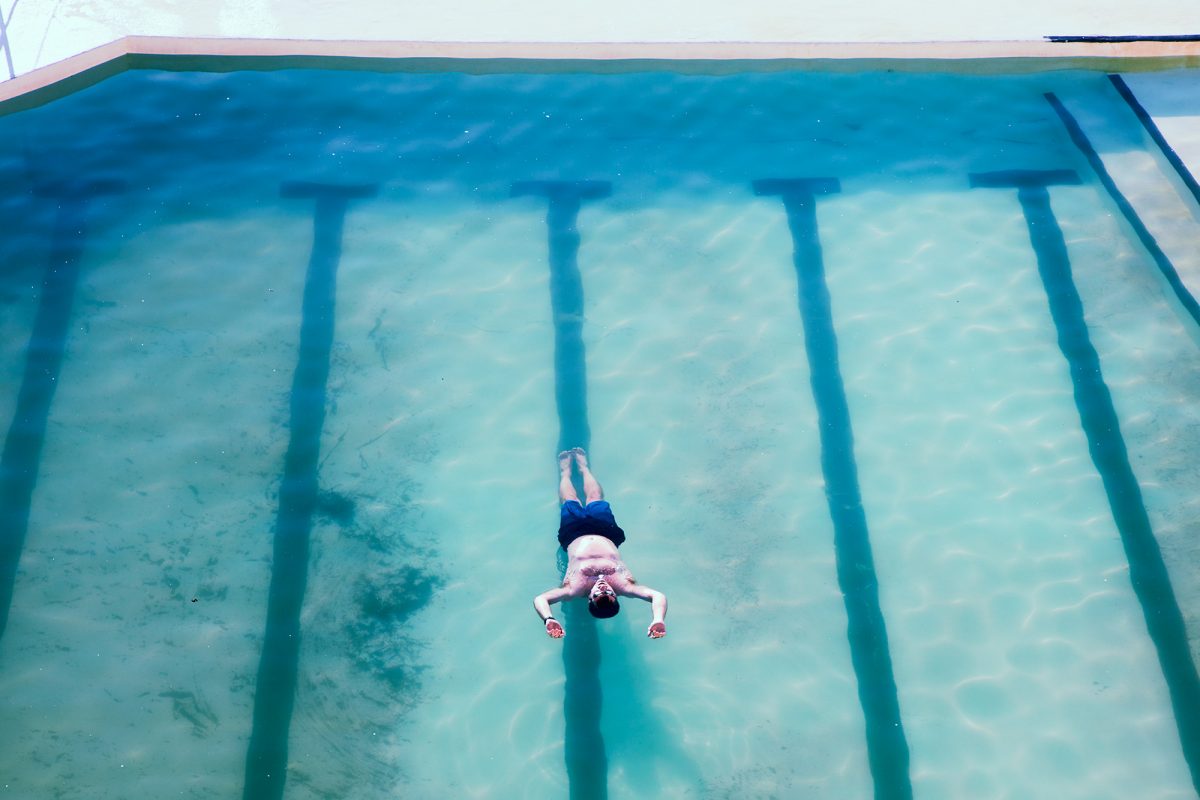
x=275, y=690
x=887, y=747
x=1098, y=417
x=1079, y=138
x=583, y=746
x=22, y=453
x=1164, y=146
x=564, y=199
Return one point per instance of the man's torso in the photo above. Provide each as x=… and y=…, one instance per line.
x=591, y=556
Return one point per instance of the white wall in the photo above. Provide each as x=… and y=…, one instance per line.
x=44, y=31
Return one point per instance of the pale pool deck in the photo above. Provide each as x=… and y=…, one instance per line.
x=42, y=32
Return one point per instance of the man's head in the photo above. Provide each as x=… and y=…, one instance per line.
x=602, y=600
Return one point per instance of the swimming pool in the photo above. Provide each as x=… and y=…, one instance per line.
x=894, y=402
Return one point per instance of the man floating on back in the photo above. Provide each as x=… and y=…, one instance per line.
x=590, y=535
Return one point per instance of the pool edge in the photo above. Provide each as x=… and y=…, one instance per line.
x=72, y=74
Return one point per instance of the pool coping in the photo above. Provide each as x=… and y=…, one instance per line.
x=167, y=52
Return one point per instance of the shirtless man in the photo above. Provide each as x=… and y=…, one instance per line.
x=590, y=535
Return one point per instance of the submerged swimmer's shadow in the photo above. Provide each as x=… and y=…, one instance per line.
x=614, y=687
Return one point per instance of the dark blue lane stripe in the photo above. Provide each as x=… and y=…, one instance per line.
x=274, y=694
x=564, y=199
x=43, y=362
x=887, y=748
x=1147, y=572
x=1144, y=236
x=1147, y=121
x=587, y=760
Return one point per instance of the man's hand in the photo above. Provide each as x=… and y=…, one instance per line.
x=657, y=630
x=541, y=604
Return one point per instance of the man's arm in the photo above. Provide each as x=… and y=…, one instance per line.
x=658, y=607
x=541, y=604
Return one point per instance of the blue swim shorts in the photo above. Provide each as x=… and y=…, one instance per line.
x=594, y=519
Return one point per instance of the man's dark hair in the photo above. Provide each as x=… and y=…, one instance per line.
x=605, y=609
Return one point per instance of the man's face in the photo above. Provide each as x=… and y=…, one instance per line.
x=602, y=592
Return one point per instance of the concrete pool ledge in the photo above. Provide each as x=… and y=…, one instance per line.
x=167, y=52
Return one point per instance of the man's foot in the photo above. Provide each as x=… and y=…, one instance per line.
x=564, y=460
x=580, y=457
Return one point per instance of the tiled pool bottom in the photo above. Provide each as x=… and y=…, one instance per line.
x=758, y=356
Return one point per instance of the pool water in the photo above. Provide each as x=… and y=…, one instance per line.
x=288, y=371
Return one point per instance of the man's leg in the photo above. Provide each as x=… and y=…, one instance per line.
x=591, y=487
x=566, y=489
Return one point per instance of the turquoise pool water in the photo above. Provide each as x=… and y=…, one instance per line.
x=852, y=429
